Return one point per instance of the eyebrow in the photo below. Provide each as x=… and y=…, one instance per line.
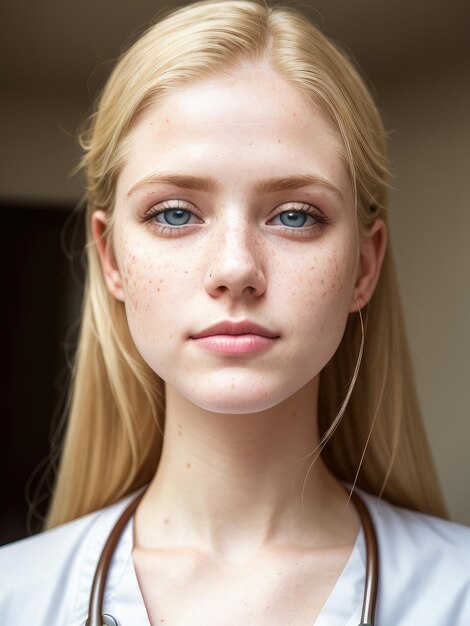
x=210, y=185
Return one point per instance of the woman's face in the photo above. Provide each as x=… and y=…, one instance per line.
x=234, y=205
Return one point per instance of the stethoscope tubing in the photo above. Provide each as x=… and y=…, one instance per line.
x=95, y=609
x=371, y=586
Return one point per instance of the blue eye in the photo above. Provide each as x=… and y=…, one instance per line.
x=293, y=218
x=298, y=218
x=173, y=217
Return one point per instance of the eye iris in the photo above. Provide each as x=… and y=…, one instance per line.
x=293, y=218
x=176, y=217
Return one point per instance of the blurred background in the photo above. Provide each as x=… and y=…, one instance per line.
x=55, y=56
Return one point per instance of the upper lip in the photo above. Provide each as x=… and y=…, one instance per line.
x=235, y=328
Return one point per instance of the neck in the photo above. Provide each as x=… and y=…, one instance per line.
x=237, y=483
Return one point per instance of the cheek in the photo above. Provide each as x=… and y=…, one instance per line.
x=338, y=277
x=323, y=278
x=141, y=283
x=321, y=292
x=144, y=282
x=155, y=289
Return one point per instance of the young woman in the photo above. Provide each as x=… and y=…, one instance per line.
x=242, y=365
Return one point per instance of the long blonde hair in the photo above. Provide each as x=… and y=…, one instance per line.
x=116, y=415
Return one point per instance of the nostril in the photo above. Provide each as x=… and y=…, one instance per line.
x=235, y=275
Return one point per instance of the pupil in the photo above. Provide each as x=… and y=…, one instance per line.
x=293, y=218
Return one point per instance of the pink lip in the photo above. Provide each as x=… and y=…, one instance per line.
x=235, y=338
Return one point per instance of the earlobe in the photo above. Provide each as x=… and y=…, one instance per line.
x=373, y=247
x=105, y=251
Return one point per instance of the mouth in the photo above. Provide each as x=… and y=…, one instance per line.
x=235, y=329
x=235, y=338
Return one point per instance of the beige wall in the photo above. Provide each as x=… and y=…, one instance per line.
x=430, y=228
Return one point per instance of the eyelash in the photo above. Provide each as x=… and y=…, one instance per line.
x=169, y=230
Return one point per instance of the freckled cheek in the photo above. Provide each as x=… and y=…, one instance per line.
x=339, y=277
x=153, y=288
x=313, y=309
x=136, y=268
x=136, y=280
x=322, y=289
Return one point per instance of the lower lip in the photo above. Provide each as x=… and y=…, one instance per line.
x=235, y=344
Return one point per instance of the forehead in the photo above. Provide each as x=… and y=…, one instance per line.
x=252, y=117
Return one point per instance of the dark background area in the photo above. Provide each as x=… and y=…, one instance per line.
x=41, y=245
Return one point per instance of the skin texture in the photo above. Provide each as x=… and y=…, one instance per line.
x=231, y=487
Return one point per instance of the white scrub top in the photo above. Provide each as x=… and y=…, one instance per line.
x=424, y=573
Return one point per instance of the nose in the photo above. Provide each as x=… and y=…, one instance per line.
x=235, y=264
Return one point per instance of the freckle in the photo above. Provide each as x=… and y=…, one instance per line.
x=279, y=573
x=267, y=606
x=322, y=282
x=166, y=521
x=158, y=288
x=188, y=465
x=278, y=141
x=323, y=294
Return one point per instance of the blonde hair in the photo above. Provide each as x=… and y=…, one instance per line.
x=116, y=416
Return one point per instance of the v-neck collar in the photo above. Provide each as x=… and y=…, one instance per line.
x=123, y=597
x=344, y=604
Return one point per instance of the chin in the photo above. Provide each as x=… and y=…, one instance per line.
x=233, y=406
x=239, y=401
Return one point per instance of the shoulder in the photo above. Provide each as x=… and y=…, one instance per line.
x=422, y=558
x=424, y=535
x=42, y=575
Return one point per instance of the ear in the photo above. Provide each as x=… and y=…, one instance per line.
x=373, y=246
x=105, y=250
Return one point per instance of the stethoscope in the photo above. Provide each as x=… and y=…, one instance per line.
x=96, y=617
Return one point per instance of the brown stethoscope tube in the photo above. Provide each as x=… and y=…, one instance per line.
x=96, y=617
x=371, y=586
x=95, y=608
